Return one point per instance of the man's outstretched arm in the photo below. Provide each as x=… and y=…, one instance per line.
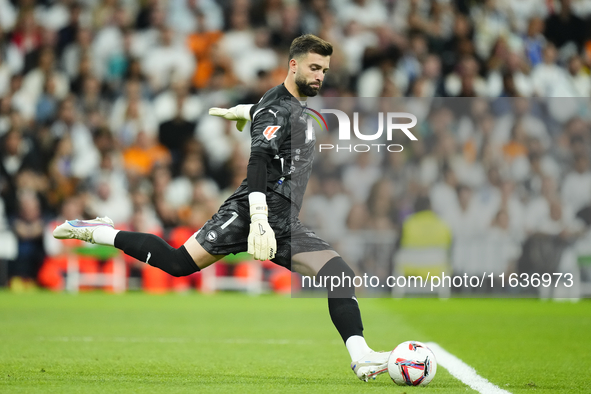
x=239, y=113
x=261, y=239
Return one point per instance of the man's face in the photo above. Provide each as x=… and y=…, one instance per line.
x=310, y=71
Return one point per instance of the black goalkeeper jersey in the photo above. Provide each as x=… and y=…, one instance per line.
x=279, y=130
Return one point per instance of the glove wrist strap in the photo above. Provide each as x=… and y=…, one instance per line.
x=258, y=205
x=258, y=217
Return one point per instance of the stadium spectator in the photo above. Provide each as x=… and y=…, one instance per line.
x=516, y=147
x=169, y=59
x=424, y=237
x=8, y=15
x=18, y=154
x=576, y=186
x=290, y=26
x=564, y=27
x=578, y=77
x=359, y=178
x=35, y=79
x=91, y=102
x=534, y=41
x=520, y=13
x=524, y=113
x=513, y=206
x=501, y=249
x=443, y=196
x=549, y=79
x=26, y=38
x=353, y=243
x=145, y=154
x=48, y=101
x=178, y=130
x=218, y=140
x=200, y=43
x=84, y=155
x=111, y=170
x=104, y=199
x=28, y=227
x=460, y=43
x=75, y=51
x=77, y=18
x=238, y=40
x=5, y=74
x=108, y=41
x=490, y=23
x=177, y=102
x=160, y=179
x=132, y=114
x=382, y=206
x=328, y=210
x=430, y=80
x=368, y=13
x=466, y=81
x=259, y=58
x=184, y=15
x=179, y=193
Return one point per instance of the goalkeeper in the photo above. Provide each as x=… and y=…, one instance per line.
x=261, y=217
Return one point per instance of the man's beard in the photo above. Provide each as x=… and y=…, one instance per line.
x=306, y=89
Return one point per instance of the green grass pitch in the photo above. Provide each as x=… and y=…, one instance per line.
x=233, y=343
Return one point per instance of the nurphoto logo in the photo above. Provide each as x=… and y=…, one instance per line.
x=392, y=121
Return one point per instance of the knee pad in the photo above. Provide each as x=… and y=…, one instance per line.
x=181, y=263
x=336, y=267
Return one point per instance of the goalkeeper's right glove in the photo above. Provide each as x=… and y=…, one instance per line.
x=261, y=238
x=239, y=113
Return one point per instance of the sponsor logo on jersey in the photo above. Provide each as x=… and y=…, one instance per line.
x=270, y=131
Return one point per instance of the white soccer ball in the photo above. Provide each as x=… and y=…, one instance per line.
x=412, y=363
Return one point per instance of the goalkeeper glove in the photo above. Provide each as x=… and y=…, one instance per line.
x=261, y=239
x=239, y=113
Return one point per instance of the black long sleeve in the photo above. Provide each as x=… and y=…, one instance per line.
x=256, y=172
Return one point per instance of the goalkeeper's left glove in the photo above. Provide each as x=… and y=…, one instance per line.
x=239, y=113
x=261, y=238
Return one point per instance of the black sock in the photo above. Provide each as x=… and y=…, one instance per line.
x=342, y=304
x=156, y=252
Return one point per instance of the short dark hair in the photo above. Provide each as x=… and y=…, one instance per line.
x=309, y=43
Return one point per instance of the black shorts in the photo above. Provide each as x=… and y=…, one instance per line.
x=227, y=231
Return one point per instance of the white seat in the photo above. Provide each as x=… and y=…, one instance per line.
x=116, y=279
x=251, y=284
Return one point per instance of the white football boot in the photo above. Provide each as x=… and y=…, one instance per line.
x=81, y=229
x=370, y=366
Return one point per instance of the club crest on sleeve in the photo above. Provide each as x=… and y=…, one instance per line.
x=270, y=131
x=211, y=236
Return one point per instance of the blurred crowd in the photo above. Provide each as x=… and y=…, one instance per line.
x=103, y=110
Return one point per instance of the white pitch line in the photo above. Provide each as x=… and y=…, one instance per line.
x=463, y=372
